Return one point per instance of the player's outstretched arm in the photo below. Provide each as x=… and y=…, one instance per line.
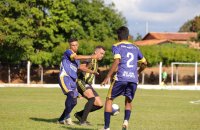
x=111, y=71
x=85, y=57
x=83, y=67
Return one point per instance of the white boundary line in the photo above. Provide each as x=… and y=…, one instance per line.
x=157, y=87
x=195, y=102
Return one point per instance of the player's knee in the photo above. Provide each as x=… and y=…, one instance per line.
x=88, y=93
x=98, y=102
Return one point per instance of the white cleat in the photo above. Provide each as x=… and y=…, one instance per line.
x=125, y=125
x=68, y=121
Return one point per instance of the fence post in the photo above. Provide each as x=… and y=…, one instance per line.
x=160, y=73
x=142, y=78
x=172, y=74
x=9, y=76
x=28, y=71
x=195, y=74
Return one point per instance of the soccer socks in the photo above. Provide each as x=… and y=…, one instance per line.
x=70, y=103
x=127, y=115
x=87, y=109
x=106, y=119
x=94, y=108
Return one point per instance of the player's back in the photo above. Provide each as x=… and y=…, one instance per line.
x=127, y=68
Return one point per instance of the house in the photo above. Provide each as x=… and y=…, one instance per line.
x=154, y=38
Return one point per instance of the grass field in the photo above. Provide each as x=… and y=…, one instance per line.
x=39, y=109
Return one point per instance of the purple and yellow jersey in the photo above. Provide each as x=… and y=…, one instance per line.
x=69, y=65
x=129, y=55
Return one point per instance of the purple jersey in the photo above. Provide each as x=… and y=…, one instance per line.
x=128, y=54
x=69, y=66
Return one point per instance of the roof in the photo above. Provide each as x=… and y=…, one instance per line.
x=151, y=42
x=179, y=36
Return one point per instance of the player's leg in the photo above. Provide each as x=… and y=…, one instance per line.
x=107, y=112
x=86, y=91
x=97, y=104
x=88, y=106
x=129, y=96
x=127, y=112
x=114, y=91
x=68, y=86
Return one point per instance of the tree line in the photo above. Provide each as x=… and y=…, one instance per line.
x=38, y=30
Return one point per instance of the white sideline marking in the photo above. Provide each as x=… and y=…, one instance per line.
x=98, y=86
x=195, y=102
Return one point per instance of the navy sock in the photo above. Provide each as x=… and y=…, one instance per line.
x=69, y=104
x=88, y=107
x=106, y=119
x=127, y=114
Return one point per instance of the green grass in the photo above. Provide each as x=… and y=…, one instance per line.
x=39, y=109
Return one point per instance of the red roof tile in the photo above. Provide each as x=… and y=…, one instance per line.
x=181, y=36
x=151, y=42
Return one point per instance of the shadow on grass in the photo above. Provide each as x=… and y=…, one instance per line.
x=72, y=128
x=54, y=120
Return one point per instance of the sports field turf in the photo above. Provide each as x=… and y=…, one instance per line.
x=39, y=109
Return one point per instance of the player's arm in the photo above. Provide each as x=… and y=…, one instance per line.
x=83, y=57
x=142, y=65
x=111, y=71
x=83, y=67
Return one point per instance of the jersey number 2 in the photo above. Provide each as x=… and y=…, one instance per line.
x=130, y=59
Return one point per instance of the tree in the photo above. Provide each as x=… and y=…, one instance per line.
x=98, y=21
x=36, y=30
x=191, y=25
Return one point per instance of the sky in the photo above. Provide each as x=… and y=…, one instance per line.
x=156, y=15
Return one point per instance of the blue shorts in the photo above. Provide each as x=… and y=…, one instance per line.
x=118, y=88
x=68, y=84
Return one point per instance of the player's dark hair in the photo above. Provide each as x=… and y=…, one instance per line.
x=72, y=40
x=100, y=47
x=123, y=33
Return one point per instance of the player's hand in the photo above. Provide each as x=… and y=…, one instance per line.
x=96, y=56
x=105, y=81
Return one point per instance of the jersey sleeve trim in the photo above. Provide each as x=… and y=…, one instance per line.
x=142, y=60
x=72, y=56
x=117, y=56
x=122, y=42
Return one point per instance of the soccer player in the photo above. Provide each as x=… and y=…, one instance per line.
x=126, y=56
x=84, y=86
x=67, y=78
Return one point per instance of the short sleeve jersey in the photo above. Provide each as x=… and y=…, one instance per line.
x=88, y=77
x=128, y=54
x=69, y=65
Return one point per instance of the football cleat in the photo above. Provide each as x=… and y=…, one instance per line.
x=125, y=125
x=68, y=121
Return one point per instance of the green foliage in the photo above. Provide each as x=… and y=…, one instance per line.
x=98, y=21
x=37, y=30
x=191, y=25
x=168, y=53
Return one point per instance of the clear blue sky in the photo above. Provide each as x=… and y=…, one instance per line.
x=161, y=15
